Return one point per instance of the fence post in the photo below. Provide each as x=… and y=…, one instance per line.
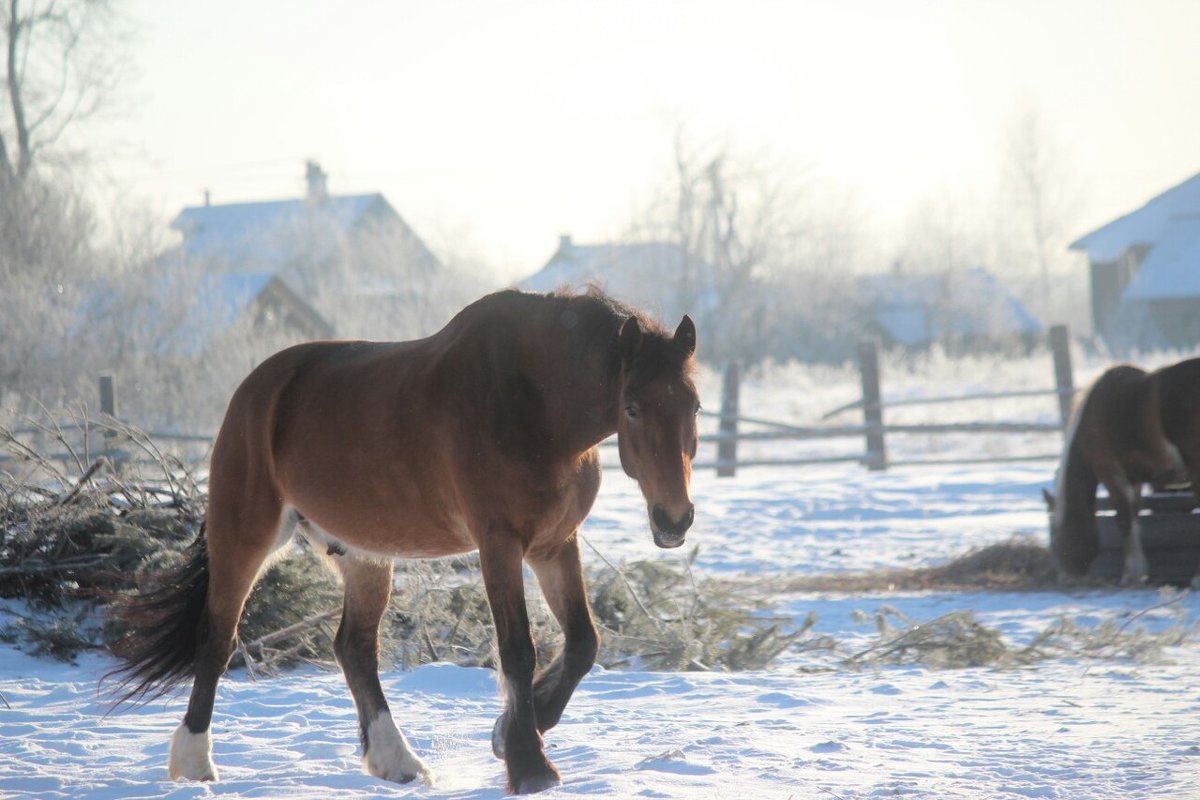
x=1064, y=380
x=727, y=447
x=868, y=365
x=108, y=407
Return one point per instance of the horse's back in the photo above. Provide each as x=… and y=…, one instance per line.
x=1112, y=406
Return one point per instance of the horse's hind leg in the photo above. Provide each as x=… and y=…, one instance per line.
x=1192, y=461
x=561, y=578
x=386, y=753
x=239, y=541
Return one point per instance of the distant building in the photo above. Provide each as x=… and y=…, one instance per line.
x=1145, y=272
x=962, y=310
x=238, y=304
x=660, y=278
x=188, y=316
x=318, y=243
x=347, y=259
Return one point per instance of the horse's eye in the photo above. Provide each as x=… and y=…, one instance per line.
x=632, y=411
x=696, y=412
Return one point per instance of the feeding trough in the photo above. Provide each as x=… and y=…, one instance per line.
x=1170, y=525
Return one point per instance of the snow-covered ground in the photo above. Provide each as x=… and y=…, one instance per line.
x=1061, y=729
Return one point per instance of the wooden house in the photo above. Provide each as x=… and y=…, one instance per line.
x=1145, y=273
x=336, y=253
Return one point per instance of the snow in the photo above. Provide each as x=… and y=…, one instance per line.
x=1063, y=729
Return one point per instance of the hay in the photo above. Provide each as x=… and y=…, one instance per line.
x=1019, y=564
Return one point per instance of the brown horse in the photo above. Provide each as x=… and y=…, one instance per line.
x=1132, y=427
x=480, y=437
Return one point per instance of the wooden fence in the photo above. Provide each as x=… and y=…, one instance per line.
x=873, y=430
x=109, y=437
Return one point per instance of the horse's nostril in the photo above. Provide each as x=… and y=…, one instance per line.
x=663, y=521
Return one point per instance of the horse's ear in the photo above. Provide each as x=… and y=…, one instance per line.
x=631, y=339
x=1049, y=498
x=685, y=334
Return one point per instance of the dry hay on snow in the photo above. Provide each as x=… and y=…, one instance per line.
x=1015, y=565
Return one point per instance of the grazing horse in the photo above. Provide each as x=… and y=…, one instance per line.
x=1131, y=427
x=480, y=437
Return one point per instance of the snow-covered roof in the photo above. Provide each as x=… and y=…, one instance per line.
x=1145, y=226
x=1172, y=268
x=257, y=232
x=185, y=314
x=647, y=275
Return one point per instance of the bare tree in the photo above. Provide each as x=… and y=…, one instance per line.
x=1036, y=210
x=765, y=262
x=62, y=58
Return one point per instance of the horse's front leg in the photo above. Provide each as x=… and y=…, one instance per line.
x=525, y=761
x=1127, y=500
x=561, y=577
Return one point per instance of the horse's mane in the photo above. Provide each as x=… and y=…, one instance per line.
x=600, y=317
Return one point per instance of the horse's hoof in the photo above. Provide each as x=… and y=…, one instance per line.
x=539, y=776
x=405, y=774
x=538, y=783
x=190, y=756
x=499, y=730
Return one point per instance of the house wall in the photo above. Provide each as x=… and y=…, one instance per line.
x=1177, y=322
x=1109, y=280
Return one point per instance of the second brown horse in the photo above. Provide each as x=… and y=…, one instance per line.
x=1132, y=427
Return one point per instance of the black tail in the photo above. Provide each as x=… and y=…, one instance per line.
x=162, y=625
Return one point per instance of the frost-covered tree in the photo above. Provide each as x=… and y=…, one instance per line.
x=767, y=263
x=1037, y=206
x=60, y=60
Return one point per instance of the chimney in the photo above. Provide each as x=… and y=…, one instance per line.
x=564, y=242
x=315, y=178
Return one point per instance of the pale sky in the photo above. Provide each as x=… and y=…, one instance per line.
x=517, y=121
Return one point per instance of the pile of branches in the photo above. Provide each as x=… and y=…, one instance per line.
x=653, y=615
x=957, y=640
x=75, y=528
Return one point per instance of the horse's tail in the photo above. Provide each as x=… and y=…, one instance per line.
x=161, y=627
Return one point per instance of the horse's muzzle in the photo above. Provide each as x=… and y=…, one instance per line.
x=667, y=532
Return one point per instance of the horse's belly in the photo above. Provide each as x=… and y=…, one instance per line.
x=395, y=534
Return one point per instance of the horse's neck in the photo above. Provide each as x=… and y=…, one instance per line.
x=582, y=407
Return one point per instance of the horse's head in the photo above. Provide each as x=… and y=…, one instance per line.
x=656, y=423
